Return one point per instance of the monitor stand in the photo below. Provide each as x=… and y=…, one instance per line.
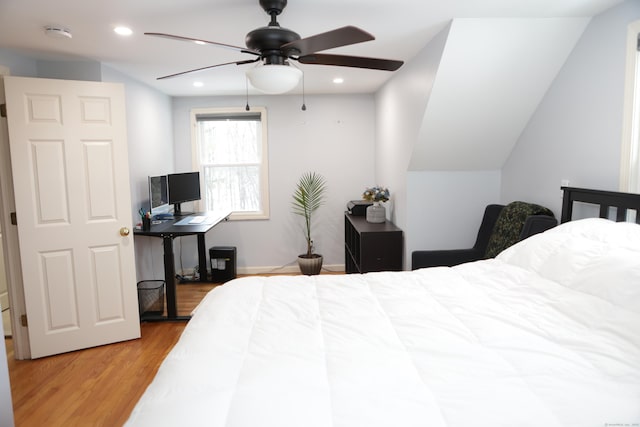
x=177, y=210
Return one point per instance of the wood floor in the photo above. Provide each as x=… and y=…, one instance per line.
x=99, y=386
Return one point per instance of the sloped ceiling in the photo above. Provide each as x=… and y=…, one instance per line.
x=492, y=75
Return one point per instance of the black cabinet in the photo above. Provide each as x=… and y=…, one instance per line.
x=371, y=247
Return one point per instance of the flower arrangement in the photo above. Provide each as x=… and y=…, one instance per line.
x=376, y=194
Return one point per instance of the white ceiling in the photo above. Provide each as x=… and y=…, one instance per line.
x=488, y=82
x=401, y=28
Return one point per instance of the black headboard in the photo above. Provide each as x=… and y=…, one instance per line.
x=622, y=202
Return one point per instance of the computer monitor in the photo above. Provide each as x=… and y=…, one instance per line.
x=158, y=195
x=183, y=187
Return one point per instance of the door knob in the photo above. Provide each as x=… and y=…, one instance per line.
x=124, y=231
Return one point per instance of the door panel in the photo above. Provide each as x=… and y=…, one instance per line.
x=106, y=270
x=49, y=185
x=58, y=288
x=71, y=181
x=99, y=169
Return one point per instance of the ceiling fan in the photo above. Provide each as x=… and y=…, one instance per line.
x=275, y=46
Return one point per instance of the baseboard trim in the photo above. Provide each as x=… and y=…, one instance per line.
x=288, y=269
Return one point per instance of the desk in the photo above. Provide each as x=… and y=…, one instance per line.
x=168, y=230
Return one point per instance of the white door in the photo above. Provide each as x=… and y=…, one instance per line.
x=71, y=182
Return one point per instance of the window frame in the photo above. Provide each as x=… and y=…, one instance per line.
x=264, y=163
x=630, y=149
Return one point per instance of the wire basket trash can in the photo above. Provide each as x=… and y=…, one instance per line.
x=151, y=297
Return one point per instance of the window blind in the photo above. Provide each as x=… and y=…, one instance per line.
x=248, y=117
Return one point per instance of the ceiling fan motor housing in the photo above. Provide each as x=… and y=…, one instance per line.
x=268, y=40
x=273, y=6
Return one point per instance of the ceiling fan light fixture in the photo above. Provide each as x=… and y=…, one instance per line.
x=274, y=79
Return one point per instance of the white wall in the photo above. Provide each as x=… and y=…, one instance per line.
x=576, y=132
x=445, y=209
x=18, y=64
x=400, y=107
x=436, y=209
x=334, y=136
x=70, y=70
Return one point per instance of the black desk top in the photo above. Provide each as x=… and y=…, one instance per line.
x=170, y=227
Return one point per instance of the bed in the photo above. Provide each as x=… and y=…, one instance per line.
x=546, y=334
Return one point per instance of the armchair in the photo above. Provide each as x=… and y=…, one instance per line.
x=501, y=227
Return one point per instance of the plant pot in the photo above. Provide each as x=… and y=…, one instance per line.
x=310, y=265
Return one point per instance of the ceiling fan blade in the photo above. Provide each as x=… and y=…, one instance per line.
x=339, y=37
x=351, y=61
x=248, y=61
x=201, y=41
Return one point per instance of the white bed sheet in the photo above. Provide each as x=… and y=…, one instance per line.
x=547, y=334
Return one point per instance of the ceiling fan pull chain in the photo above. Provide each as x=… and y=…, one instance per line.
x=304, y=106
x=246, y=85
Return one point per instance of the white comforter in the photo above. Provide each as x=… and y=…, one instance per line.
x=547, y=334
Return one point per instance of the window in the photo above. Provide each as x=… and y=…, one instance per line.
x=230, y=151
x=630, y=162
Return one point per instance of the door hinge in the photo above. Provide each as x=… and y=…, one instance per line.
x=3, y=110
x=23, y=320
x=14, y=218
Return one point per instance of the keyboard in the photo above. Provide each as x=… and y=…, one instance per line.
x=197, y=219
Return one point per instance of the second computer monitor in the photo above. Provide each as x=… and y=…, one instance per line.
x=183, y=187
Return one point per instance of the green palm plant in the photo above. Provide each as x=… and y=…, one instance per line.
x=308, y=196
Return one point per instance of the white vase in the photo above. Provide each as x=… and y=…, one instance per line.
x=376, y=213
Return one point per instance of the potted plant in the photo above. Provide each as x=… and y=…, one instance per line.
x=308, y=196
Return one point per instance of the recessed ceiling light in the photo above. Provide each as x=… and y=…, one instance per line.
x=338, y=80
x=198, y=84
x=199, y=42
x=123, y=31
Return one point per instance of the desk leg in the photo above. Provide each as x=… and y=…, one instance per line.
x=170, y=285
x=202, y=258
x=170, y=277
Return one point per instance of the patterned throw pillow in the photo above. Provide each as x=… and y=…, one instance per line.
x=509, y=225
